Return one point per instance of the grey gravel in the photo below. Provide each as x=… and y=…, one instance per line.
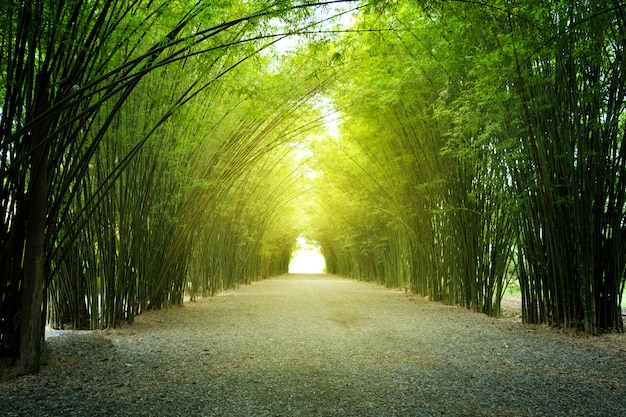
x=318, y=345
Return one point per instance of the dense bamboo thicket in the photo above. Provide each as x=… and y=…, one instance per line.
x=432, y=194
x=483, y=143
x=153, y=151
x=138, y=163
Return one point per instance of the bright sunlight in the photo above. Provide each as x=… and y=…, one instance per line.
x=307, y=258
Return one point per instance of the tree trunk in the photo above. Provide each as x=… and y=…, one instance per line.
x=31, y=322
x=34, y=267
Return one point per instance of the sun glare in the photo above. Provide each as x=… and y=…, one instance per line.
x=307, y=259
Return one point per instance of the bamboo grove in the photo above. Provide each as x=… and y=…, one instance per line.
x=138, y=162
x=157, y=151
x=483, y=143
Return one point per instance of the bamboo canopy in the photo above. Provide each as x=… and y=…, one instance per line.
x=154, y=152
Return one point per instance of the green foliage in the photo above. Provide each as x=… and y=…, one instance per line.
x=117, y=222
x=427, y=205
x=476, y=135
x=151, y=151
x=572, y=100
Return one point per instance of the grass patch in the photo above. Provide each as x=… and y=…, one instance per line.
x=513, y=288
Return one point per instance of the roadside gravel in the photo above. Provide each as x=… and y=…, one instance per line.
x=318, y=345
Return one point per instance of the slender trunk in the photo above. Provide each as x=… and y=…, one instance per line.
x=31, y=322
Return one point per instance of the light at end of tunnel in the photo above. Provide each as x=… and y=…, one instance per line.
x=307, y=259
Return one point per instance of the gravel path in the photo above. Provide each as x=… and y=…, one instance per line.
x=317, y=345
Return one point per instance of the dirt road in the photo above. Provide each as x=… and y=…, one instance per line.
x=317, y=345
